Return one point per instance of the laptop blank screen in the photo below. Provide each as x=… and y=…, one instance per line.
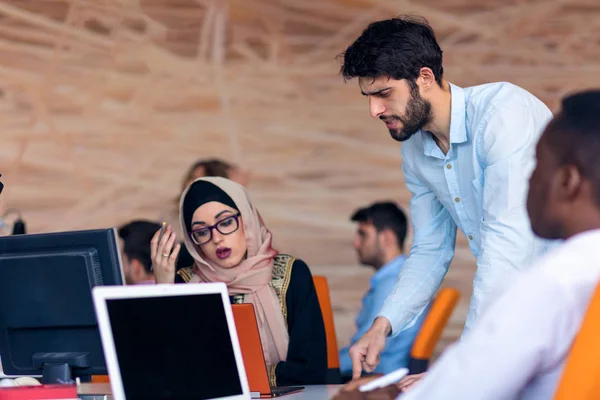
x=174, y=347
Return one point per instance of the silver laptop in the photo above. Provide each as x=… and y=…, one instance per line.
x=164, y=342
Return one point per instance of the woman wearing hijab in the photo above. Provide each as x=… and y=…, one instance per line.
x=201, y=168
x=230, y=243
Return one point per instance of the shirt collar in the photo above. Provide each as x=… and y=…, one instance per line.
x=458, y=129
x=390, y=269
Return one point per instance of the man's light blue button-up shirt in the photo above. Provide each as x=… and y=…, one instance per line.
x=479, y=186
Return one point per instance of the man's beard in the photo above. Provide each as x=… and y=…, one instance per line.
x=373, y=259
x=418, y=114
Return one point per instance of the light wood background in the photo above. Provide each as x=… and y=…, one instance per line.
x=105, y=103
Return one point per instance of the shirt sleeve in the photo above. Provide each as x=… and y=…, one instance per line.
x=525, y=331
x=507, y=152
x=430, y=255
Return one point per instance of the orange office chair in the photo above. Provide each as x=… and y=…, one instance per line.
x=100, y=379
x=260, y=379
x=333, y=357
x=581, y=377
x=432, y=328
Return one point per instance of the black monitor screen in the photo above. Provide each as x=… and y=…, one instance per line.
x=174, y=347
x=46, y=306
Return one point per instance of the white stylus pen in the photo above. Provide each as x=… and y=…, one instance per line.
x=384, y=380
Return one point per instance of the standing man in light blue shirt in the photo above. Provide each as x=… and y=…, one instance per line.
x=379, y=244
x=467, y=156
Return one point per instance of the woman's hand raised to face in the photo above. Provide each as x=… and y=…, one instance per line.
x=164, y=252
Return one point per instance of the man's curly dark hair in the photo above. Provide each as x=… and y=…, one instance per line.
x=396, y=48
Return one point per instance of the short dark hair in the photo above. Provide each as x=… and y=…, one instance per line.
x=384, y=215
x=136, y=236
x=574, y=135
x=396, y=48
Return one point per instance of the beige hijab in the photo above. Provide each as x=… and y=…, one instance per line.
x=252, y=276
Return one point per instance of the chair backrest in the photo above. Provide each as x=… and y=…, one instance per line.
x=433, y=326
x=100, y=379
x=322, y=288
x=581, y=376
x=251, y=346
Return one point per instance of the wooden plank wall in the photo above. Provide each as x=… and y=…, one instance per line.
x=104, y=104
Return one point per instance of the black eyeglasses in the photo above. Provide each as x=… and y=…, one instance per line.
x=225, y=226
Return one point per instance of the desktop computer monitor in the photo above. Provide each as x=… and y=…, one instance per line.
x=47, y=320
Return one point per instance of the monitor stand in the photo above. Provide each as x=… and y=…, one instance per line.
x=57, y=368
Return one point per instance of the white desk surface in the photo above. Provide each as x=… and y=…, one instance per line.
x=311, y=392
x=316, y=392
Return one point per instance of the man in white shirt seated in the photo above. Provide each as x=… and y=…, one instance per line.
x=517, y=350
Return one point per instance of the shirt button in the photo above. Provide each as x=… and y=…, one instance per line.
x=448, y=166
x=457, y=200
x=470, y=237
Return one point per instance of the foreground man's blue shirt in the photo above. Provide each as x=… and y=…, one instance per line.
x=397, y=349
x=479, y=186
